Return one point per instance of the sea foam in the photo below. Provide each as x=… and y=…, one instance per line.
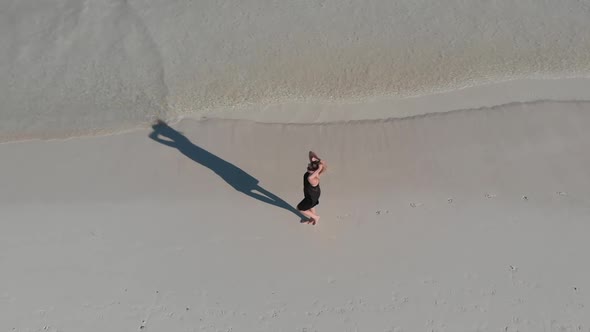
x=70, y=67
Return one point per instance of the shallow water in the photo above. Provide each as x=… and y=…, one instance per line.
x=70, y=67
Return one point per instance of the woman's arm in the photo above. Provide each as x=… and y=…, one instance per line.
x=317, y=172
x=154, y=135
x=323, y=166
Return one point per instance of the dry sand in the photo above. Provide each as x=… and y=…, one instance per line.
x=456, y=134
x=464, y=221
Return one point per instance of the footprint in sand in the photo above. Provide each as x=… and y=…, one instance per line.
x=394, y=329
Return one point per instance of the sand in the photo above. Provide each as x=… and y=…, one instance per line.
x=456, y=135
x=463, y=221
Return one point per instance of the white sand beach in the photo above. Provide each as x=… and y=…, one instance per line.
x=456, y=136
x=466, y=221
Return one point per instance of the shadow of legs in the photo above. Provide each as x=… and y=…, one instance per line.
x=270, y=198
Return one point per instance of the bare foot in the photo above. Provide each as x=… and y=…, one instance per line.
x=314, y=220
x=310, y=221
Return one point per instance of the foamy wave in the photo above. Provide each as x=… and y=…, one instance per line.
x=71, y=67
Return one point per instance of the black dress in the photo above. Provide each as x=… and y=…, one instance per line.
x=311, y=193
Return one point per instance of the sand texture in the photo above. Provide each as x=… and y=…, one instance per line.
x=455, y=132
x=463, y=221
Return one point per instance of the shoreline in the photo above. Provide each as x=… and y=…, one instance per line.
x=456, y=198
x=477, y=97
x=490, y=96
x=95, y=68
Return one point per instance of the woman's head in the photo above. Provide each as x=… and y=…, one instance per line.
x=313, y=166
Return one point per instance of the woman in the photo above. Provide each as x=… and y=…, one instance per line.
x=311, y=188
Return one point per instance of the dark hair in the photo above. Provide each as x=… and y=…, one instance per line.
x=313, y=166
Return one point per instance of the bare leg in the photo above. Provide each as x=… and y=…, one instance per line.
x=310, y=215
x=317, y=218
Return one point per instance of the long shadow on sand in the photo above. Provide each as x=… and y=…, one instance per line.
x=230, y=173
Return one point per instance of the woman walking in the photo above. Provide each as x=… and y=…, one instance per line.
x=311, y=188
